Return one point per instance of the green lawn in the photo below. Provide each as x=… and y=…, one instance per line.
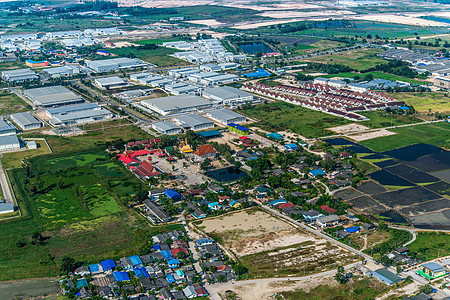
x=428, y=245
x=77, y=201
x=14, y=159
x=423, y=102
x=380, y=119
x=358, y=59
x=277, y=116
x=376, y=74
x=11, y=103
x=437, y=134
x=159, y=57
x=156, y=41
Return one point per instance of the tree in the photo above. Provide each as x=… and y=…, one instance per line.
x=205, y=164
x=61, y=183
x=181, y=255
x=68, y=264
x=340, y=275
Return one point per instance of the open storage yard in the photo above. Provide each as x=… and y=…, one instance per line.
x=269, y=246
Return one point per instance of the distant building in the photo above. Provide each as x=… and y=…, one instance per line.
x=432, y=270
x=9, y=142
x=194, y=122
x=112, y=82
x=176, y=104
x=227, y=95
x=64, y=110
x=81, y=117
x=34, y=64
x=326, y=221
x=166, y=128
x=442, y=82
x=115, y=64
x=64, y=71
x=52, y=96
x=26, y=121
x=226, y=116
x=19, y=75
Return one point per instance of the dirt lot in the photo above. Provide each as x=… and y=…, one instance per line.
x=406, y=20
x=207, y=22
x=270, y=246
x=370, y=135
x=348, y=128
x=305, y=14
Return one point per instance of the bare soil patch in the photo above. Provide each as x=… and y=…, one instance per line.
x=349, y=128
x=370, y=135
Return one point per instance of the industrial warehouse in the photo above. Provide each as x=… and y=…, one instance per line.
x=226, y=116
x=26, y=121
x=52, y=96
x=19, y=75
x=80, y=117
x=176, y=104
x=227, y=95
x=115, y=64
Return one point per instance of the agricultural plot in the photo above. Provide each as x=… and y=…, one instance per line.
x=367, y=205
x=406, y=197
x=422, y=208
x=411, y=174
x=388, y=179
x=359, y=59
x=160, y=56
x=346, y=194
x=423, y=102
x=370, y=187
x=269, y=246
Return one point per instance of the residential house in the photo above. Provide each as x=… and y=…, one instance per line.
x=326, y=221
x=312, y=215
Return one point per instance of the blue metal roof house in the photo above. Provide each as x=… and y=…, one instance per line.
x=170, y=278
x=172, y=194
x=108, y=264
x=136, y=261
x=166, y=254
x=140, y=272
x=274, y=135
x=81, y=283
x=121, y=276
x=173, y=263
x=205, y=241
x=258, y=74
x=209, y=134
x=277, y=202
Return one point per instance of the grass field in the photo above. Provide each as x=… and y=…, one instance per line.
x=376, y=74
x=11, y=103
x=437, y=134
x=14, y=159
x=430, y=245
x=310, y=123
x=357, y=289
x=358, y=59
x=159, y=57
x=77, y=202
x=423, y=102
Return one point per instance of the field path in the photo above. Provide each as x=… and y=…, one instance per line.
x=4, y=184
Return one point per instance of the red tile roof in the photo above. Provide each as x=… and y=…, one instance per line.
x=328, y=209
x=125, y=159
x=177, y=250
x=205, y=149
x=286, y=205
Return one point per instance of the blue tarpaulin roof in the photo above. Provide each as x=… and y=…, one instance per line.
x=258, y=73
x=108, y=264
x=94, y=268
x=140, y=272
x=121, y=276
x=291, y=146
x=157, y=247
x=172, y=194
x=81, y=283
x=135, y=260
x=404, y=107
x=275, y=135
x=276, y=202
x=170, y=278
x=166, y=254
x=352, y=229
x=239, y=127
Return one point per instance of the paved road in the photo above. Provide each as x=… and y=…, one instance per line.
x=4, y=184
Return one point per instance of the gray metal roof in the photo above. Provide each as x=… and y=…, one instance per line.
x=165, y=126
x=82, y=115
x=327, y=219
x=225, y=114
x=5, y=126
x=193, y=120
x=8, y=140
x=24, y=119
x=51, y=94
x=177, y=102
x=226, y=93
x=19, y=72
x=72, y=108
x=110, y=80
